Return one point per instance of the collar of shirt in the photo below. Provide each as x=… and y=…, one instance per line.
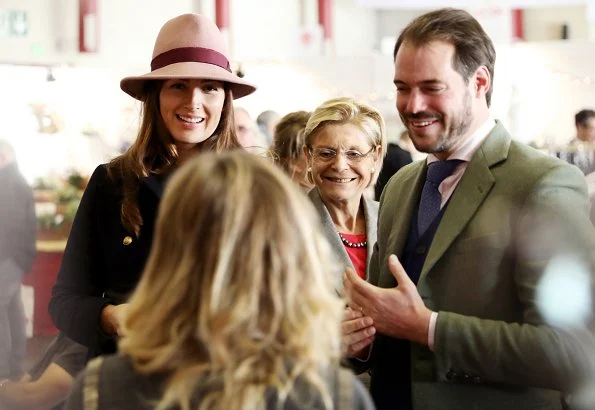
x=464, y=152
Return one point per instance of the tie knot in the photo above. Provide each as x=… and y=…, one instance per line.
x=438, y=171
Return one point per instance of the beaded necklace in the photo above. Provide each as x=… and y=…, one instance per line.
x=351, y=244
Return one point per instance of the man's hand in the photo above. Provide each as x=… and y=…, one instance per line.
x=398, y=312
x=358, y=333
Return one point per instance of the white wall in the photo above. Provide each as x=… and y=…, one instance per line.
x=127, y=32
x=261, y=30
x=545, y=24
x=552, y=81
x=355, y=29
x=40, y=35
x=129, y=29
x=391, y=22
x=264, y=29
x=266, y=38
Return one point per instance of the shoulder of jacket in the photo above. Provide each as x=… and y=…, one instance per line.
x=405, y=173
x=412, y=168
x=532, y=162
x=104, y=180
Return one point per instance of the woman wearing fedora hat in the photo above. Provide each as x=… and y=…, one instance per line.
x=186, y=109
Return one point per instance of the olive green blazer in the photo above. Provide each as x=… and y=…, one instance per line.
x=493, y=349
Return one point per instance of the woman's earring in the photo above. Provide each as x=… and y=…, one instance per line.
x=373, y=170
x=310, y=169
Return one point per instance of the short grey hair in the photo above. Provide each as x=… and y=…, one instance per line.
x=266, y=117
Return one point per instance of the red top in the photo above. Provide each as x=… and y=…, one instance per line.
x=358, y=256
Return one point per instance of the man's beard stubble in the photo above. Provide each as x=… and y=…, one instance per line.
x=450, y=137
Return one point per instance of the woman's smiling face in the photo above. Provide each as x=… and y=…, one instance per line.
x=191, y=109
x=342, y=161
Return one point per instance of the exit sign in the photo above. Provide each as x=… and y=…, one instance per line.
x=13, y=23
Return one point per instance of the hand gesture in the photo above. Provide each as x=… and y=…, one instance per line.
x=398, y=312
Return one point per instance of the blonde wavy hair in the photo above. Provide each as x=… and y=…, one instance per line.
x=237, y=296
x=345, y=110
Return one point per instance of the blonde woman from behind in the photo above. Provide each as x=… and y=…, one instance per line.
x=235, y=309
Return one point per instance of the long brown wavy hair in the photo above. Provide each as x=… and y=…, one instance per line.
x=154, y=151
x=236, y=301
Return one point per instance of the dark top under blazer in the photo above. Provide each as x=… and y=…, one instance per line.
x=98, y=267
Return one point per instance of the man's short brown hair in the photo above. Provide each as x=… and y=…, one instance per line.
x=473, y=47
x=583, y=116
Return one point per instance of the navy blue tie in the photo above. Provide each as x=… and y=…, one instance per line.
x=429, y=204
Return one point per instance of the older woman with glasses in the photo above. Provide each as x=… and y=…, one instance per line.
x=344, y=144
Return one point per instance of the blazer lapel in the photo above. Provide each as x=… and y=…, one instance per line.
x=400, y=200
x=329, y=229
x=474, y=187
x=371, y=215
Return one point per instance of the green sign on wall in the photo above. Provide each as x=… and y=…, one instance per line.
x=13, y=23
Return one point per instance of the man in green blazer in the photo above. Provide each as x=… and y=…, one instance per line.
x=453, y=321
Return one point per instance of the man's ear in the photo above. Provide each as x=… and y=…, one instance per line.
x=483, y=81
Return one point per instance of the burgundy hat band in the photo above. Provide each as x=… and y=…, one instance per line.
x=190, y=54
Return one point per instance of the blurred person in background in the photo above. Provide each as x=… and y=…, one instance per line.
x=584, y=121
x=235, y=309
x=581, y=150
x=344, y=144
x=267, y=121
x=247, y=131
x=451, y=298
x=18, y=226
x=591, y=190
x=395, y=159
x=288, y=147
x=187, y=109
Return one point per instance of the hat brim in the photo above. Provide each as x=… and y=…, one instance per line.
x=134, y=86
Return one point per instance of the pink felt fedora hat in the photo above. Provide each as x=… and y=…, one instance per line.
x=189, y=46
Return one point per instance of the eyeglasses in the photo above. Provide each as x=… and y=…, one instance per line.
x=327, y=154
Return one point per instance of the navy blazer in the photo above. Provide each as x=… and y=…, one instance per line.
x=99, y=266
